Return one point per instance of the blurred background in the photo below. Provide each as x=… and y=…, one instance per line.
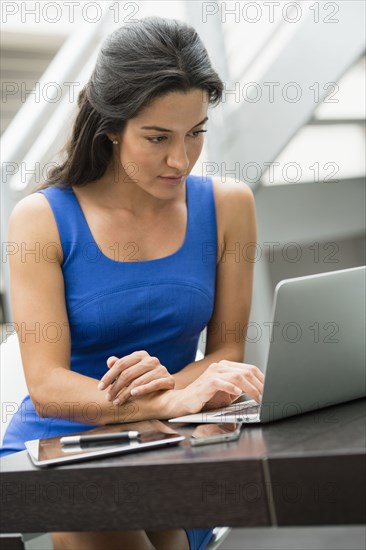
x=291, y=125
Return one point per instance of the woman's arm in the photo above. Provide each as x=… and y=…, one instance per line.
x=226, y=331
x=41, y=322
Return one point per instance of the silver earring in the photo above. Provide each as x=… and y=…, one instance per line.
x=115, y=142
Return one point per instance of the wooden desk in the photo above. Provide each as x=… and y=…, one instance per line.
x=305, y=470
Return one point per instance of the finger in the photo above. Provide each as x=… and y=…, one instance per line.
x=252, y=390
x=241, y=366
x=145, y=379
x=116, y=369
x=126, y=377
x=252, y=368
x=240, y=380
x=251, y=377
x=109, y=377
x=144, y=367
x=111, y=361
x=129, y=374
x=125, y=394
x=167, y=383
x=155, y=385
x=210, y=386
x=144, y=384
x=259, y=374
x=250, y=372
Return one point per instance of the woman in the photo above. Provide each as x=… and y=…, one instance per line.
x=134, y=260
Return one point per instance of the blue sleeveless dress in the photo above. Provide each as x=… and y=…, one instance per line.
x=117, y=307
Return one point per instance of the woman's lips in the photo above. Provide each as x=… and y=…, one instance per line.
x=171, y=180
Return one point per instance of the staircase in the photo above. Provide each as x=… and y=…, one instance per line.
x=23, y=61
x=290, y=86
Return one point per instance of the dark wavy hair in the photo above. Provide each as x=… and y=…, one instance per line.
x=137, y=63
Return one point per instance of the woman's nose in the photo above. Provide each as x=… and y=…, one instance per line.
x=178, y=159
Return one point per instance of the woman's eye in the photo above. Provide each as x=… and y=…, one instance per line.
x=199, y=132
x=152, y=139
x=160, y=139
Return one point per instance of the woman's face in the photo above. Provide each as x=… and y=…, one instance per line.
x=172, y=148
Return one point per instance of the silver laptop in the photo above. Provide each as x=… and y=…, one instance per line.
x=316, y=355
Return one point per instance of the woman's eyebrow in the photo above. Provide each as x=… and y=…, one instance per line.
x=158, y=129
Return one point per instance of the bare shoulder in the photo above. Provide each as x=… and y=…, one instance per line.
x=33, y=213
x=32, y=220
x=230, y=190
x=234, y=202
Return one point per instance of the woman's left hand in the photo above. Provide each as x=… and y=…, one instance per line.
x=136, y=374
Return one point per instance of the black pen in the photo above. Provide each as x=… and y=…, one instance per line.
x=99, y=438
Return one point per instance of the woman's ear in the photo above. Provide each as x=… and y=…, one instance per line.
x=111, y=136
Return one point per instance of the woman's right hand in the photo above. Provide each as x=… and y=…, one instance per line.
x=220, y=385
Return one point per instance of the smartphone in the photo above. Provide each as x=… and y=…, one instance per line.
x=205, y=434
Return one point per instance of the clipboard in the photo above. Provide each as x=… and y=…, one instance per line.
x=50, y=452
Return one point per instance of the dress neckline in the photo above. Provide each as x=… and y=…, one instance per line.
x=154, y=260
